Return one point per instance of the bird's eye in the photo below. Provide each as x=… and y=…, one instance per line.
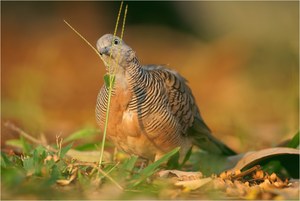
x=116, y=41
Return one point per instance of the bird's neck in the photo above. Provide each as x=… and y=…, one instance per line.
x=128, y=76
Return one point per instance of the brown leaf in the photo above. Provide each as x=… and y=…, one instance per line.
x=88, y=156
x=64, y=182
x=181, y=175
x=252, y=158
x=193, y=184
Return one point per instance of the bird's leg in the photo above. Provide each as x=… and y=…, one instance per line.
x=115, y=154
x=143, y=164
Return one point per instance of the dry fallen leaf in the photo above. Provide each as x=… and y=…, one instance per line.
x=193, y=184
x=182, y=175
x=252, y=158
x=89, y=156
x=64, y=182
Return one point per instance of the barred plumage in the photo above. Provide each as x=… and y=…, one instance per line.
x=152, y=108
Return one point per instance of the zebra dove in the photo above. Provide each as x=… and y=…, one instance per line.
x=152, y=108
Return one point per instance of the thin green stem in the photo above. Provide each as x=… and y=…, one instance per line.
x=111, y=82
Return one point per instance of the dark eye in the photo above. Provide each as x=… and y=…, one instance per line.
x=116, y=41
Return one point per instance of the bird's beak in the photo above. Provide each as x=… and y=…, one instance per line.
x=104, y=50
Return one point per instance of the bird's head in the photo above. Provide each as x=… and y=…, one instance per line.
x=114, y=51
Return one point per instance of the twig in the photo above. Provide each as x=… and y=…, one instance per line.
x=110, y=178
x=27, y=136
x=242, y=174
x=85, y=40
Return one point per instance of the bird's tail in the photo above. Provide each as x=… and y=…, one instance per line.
x=211, y=144
x=203, y=138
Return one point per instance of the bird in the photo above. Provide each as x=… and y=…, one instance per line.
x=152, y=108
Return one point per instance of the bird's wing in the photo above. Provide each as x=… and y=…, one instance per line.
x=180, y=99
x=184, y=110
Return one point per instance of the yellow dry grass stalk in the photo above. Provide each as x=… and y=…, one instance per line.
x=85, y=40
x=111, y=74
x=111, y=71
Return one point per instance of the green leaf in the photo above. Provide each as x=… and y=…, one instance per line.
x=12, y=177
x=5, y=162
x=81, y=134
x=28, y=164
x=173, y=163
x=186, y=158
x=15, y=143
x=54, y=175
x=128, y=165
x=108, y=79
x=152, y=168
x=25, y=146
x=65, y=149
x=87, y=147
x=294, y=143
x=40, y=150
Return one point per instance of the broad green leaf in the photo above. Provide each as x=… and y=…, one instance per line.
x=65, y=149
x=28, y=164
x=294, y=143
x=81, y=134
x=152, y=168
x=107, y=79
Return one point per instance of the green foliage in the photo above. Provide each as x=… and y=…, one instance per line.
x=82, y=134
x=108, y=79
x=44, y=173
x=65, y=149
x=25, y=145
x=87, y=147
x=38, y=170
x=15, y=143
x=294, y=143
x=152, y=168
x=129, y=163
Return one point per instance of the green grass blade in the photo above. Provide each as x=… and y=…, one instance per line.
x=108, y=79
x=15, y=143
x=81, y=134
x=294, y=143
x=152, y=168
x=129, y=163
x=65, y=149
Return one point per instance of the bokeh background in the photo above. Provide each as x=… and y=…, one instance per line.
x=241, y=60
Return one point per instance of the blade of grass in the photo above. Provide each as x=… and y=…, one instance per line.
x=128, y=165
x=294, y=143
x=83, y=133
x=111, y=84
x=85, y=40
x=152, y=168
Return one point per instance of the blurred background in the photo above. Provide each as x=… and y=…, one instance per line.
x=241, y=60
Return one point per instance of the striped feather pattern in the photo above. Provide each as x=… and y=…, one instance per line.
x=152, y=108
